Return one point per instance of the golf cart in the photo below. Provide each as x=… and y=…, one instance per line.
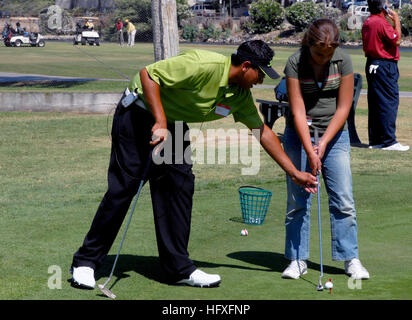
x=85, y=35
x=33, y=39
x=13, y=39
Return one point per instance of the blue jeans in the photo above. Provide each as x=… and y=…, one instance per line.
x=337, y=179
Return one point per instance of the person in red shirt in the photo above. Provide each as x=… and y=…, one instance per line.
x=381, y=43
x=119, y=32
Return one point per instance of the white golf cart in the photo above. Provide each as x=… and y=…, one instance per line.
x=33, y=39
x=85, y=34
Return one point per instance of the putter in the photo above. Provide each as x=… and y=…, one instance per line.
x=102, y=287
x=319, y=287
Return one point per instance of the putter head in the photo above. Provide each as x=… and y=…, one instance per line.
x=106, y=291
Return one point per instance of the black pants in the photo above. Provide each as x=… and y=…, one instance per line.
x=171, y=186
x=383, y=100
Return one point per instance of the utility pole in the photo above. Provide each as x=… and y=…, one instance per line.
x=165, y=31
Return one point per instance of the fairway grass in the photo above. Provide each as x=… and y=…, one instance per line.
x=53, y=169
x=109, y=61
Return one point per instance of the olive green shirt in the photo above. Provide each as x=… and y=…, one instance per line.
x=320, y=98
x=194, y=87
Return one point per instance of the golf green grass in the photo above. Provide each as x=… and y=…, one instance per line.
x=53, y=175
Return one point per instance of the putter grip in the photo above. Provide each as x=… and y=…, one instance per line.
x=316, y=135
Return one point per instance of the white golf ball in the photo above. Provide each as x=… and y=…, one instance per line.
x=328, y=285
x=243, y=232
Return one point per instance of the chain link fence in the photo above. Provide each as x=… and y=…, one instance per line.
x=216, y=21
x=62, y=19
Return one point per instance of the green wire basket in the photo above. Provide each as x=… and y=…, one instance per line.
x=254, y=203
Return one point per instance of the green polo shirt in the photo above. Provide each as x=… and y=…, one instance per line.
x=194, y=88
x=320, y=98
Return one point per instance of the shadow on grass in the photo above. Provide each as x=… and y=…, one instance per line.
x=149, y=266
x=274, y=261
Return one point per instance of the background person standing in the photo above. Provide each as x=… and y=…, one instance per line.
x=119, y=32
x=131, y=33
x=381, y=46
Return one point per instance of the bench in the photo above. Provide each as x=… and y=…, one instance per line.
x=273, y=110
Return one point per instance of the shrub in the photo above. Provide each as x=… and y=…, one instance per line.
x=355, y=35
x=343, y=23
x=183, y=11
x=245, y=24
x=302, y=14
x=211, y=32
x=25, y=8
x=227, y=24
x=143, y=31
x=265, y=16
x=190, y=32
x=208, y=33
x=343, y=35
x=405, y=15
x=333, y=14
x=227, y=33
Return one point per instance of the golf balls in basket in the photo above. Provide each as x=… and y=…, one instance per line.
x=329, y=285
x=243, y=232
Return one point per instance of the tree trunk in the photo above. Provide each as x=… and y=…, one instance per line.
x=165, y=31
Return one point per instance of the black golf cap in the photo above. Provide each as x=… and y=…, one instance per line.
x=264, y=64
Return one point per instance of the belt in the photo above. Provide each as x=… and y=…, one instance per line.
x=382, y=59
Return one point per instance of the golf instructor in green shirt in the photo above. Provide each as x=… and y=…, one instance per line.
x=195, y=86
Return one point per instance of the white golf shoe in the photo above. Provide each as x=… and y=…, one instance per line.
x=198, y=278
x=295, y=269
x=396, y=147
x=83, y=277
x=356, y=270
